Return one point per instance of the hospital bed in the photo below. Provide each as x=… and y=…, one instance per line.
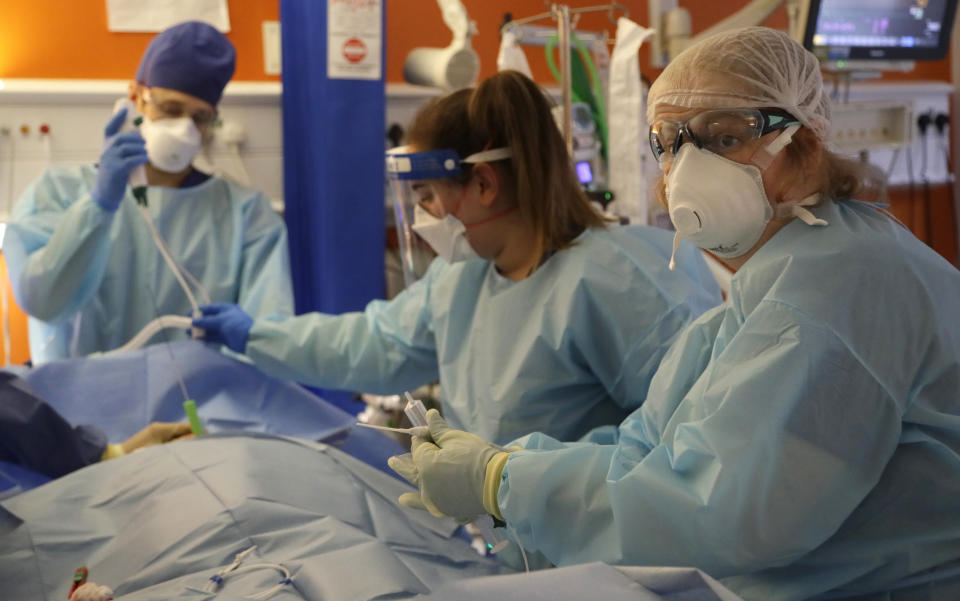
x=122, y=394
x=160, y=523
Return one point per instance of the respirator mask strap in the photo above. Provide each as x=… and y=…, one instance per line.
x=796, y=209
x=673, y=254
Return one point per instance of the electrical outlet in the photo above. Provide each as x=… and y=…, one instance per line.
x=871, y=125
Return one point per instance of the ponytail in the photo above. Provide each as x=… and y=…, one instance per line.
x=509, y=110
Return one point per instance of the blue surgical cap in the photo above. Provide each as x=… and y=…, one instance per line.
x=191, y=57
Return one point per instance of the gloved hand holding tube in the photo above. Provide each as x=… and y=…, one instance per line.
x=226, y=324
x=122, y=153
x=458, y=473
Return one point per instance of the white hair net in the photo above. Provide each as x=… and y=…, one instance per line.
x=753, y=67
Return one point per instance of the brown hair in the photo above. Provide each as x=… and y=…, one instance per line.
x=509, y=110
x=841, y=178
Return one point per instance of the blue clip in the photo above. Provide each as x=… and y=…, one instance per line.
x=217, y=578
x=286, y=581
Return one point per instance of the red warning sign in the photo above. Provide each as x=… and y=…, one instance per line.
x=354, y=50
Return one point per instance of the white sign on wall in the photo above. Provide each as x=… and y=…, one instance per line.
x=354, y=39
x=157, y=15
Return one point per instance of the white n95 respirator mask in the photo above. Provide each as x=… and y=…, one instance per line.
x=721, y=205
x=446, y=236
x=172, y=144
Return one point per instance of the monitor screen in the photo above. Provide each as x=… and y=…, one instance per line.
x=879, y=29
x=584, y=172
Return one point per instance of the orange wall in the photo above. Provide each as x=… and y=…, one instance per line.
x=17, y=322
x=69, y=39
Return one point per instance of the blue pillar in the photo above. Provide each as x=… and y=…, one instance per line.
x=333, y=147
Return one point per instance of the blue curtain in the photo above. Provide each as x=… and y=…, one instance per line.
x=333, y=148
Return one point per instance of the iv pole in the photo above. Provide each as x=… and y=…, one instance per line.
x=561, y=13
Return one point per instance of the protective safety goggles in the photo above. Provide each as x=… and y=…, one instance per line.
x=174, y=109
x=722, y=131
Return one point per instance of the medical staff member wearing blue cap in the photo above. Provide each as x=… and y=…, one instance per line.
x=35, y=436
x=82, y=261
x=801, y=441
x=536, y=316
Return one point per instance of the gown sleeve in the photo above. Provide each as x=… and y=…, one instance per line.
x=265, y=286
x=759, y=462
x=57, y=246
x=386, y=348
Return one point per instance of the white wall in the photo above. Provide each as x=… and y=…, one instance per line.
x=76, y=111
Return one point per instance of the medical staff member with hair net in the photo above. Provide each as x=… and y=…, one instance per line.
x=801, y=441
x=536, y=315
x=82, y=260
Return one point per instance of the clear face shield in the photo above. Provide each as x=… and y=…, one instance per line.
x=424, y=230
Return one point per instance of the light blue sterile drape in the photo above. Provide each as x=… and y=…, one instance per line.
x=566, y=350
x=91, y=280
x=801, y=442
x=158, y=523
x=122, y=394
x=589, y=581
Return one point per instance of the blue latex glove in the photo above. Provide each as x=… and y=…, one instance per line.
x=226, y=324
x=122, y=153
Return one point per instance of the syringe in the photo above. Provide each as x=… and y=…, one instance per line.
x=417, y=414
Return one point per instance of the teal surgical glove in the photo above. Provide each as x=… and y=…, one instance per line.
x=121, y=154
x=451, y=470
x=226, y=324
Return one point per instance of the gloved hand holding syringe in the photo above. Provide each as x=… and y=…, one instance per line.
x=421, y=431
x=417, y=415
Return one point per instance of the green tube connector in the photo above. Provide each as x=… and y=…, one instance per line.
x=191, y=408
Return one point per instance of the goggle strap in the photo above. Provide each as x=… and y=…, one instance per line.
x=763, y=157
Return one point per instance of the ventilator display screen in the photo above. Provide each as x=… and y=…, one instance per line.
x=879, y=29
x=584, y=172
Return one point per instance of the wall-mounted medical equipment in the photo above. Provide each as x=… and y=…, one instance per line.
x=588, y=159
x=450, y=68
x=677, y=31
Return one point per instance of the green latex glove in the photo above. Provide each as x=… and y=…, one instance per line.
x=450, y=469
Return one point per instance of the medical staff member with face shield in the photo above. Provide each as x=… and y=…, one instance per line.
x=801, y=441
x=536, y=316
x=82, y=260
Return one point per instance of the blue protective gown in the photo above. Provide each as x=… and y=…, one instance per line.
x=90, y=279
x=35, y=436
x=570, y=348
x=804, y=438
